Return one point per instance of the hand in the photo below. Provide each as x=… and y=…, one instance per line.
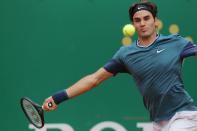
x=45, y=105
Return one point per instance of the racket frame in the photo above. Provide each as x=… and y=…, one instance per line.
x=38, y=109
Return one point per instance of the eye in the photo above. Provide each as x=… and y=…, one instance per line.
x=146, y=18
x=136, y=20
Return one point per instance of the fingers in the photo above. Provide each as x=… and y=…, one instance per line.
x=49, y=104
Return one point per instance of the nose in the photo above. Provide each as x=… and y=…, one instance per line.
x=142, y=23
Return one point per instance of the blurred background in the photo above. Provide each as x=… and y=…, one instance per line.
x=47, y=45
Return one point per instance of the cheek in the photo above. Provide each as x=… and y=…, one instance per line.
x=152, y=26
x=137, y=30
x=136, y=27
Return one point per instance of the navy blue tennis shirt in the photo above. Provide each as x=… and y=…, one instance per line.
x=156, y=70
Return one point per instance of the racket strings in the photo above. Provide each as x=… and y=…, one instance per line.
x=32, y=113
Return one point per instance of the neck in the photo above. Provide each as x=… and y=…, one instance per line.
x=146, y=41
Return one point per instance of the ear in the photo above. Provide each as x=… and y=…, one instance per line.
x=156, y=22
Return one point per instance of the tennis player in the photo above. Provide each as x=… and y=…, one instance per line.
x=155, y=62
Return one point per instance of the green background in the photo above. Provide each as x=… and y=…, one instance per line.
x=47, y=45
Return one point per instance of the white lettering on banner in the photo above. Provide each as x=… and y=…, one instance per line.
x=62, y=127
x=145, y=126
x=108, y=124
x=98, y=127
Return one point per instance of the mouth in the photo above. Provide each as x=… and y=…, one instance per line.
x=143, y=30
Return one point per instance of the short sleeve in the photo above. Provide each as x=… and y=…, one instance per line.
x=115, y=65
x=189, y=50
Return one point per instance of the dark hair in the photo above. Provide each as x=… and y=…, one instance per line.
x=142, y=5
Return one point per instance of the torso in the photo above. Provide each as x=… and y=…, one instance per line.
x=157, y=72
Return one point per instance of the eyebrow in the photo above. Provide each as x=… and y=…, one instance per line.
x=146, y=16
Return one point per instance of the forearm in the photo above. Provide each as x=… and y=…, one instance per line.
x=88, y=82
x=82, y=86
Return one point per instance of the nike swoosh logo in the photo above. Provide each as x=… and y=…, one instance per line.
x=159, y=51
x=140, y=8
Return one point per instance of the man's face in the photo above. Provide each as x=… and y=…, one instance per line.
x=144, y=23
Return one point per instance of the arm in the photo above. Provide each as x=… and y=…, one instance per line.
x=88, y=82
x=85, y=84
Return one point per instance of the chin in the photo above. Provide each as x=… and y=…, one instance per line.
x=144, y=35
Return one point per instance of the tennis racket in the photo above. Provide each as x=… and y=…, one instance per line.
x=33, y=112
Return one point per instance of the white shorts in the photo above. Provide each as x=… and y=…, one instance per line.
x=181, y=121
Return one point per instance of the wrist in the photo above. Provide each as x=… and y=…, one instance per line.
x=60, y=97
